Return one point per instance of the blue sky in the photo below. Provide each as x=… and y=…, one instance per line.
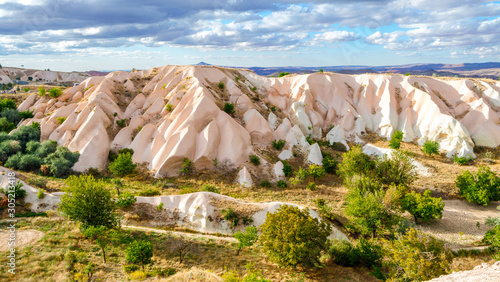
x=124, y=34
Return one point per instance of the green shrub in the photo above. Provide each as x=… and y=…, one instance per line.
x=329, y=164
x=278, y=144
x=12, y=115
x=416, y=257
x=160, y=206
x=125, y=200
x=24, y=134
x=399, y=169
x=231, y=216
x=41, y=91
x=26, y=114
x=55, y=92
x=273, y=108
x=125, y=151
x=150, y=192
x=210, y=188
x=255, y=160
x=355, y=162
x=265, y=184
x=44, y=149
x=228, y=108
x=431, y=147
x=122, y=165
x=121, y=122
x=370, y=253
x=481, y=187
x=128, y=268
x=187, y=166
x=287, y=169
x=281, y=184
x=30, y=163
x=423, y=206
x=6, y=126
x=282, y=74
x=169, y=107
x=61, y=161
x=290, y=236
x=362, y=184
x=139, y=252
x=14, y=161
x=60, y=120
x=462, y=160
x=16, y=190
x=338, y=146
x=492, y=238
x=396, y=138
x=315, y=171
x=221, y=85
x=32, y=147
x=7, y=104
x=247, y=239
x=311, y=186
x=343, y=253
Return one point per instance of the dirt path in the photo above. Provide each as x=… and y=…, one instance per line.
x=178, y=233
x=459, y=226
x=23, y=238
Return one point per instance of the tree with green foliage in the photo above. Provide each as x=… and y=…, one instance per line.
x=88, y=201
x=11, y=115
x=431, y=147
x=24, y=134
x=329, y=164
x=290, y=236
x=7, y=104
x=480, y=187
x=101, y=236
x=228, y=108
x=397, y=169
x=140, y=252
x=247, y=239
x=278, y=144
x=316, y=171
x=26, y=114
x=355, y=162
x=125, y=200
x=363, y=184
x=55, y=92
x=423, y=206
x=6, y=126
x=416, y=257
x=41, y=91
x=368, y=214
x=287, y=169
x=396, y=138
x=61, y=161
x=122, y=165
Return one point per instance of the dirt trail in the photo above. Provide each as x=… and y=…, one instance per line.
x=23, y=238
x=178, y=233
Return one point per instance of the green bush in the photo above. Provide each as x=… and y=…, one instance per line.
x=399, y=169
x=311, y=186
x=355, y=162
x=187, y=166
x=287, y=169
x=278, y=144
x=231, y=216
x=61, y=161
x=363, y=184
x=89, y=202
x=41, y=91
x=122, y=165
x=247, y=239
x=169, y=107
x=329, y=164
x=44, y=149
x=338, y=146
x=210, y=188
x=423, y=206
x=26, y=114
x=370, y=253
x=6, y=126
x=481, y=187
x=315, y=171
x=396, y=138
x=55, y=92
x=492, y=238
x=228, y=108
x=139, y=252
x=255, y=160
x=8, y=148
x=282, y=74
x=462, y=160
x=14, y=161
x=121, y=122
x=125, y=151
x=12, y=115
x=16, y=190
x=431, y=147
x=290, y=236
x=221, y=85
x=32, y=147
x=129, y=268
x=30, y=163
x=416, y=257
x=125, y=200
x=160, y=206
x=60, y=120
x=343, y=253
x=281, y=184
x=7, y=104
x=265, y=184
x=24, y=134
x=150, y=192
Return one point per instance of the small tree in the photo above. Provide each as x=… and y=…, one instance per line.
x=229, y=108
x=55, y=92
x=355, y=162
x=140, y=252
x=246, y=239
x=416, y=257
x=187, y=166
x=431, y=147
x=316, y=171
x=329, y=164
x=396, y=138
x=89, y=202
x=122, y=165
x=100, y=235
x=287, y=169
x=181, y=248
x=423, y=206
x=481, y=187
x=41, y=91
x=398, y=169
x=290, y=236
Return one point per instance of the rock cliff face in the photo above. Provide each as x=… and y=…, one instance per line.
x=175, y=112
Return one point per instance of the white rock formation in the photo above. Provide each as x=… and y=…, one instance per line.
x=372, y=150
x=244, y=177
x=451, y=112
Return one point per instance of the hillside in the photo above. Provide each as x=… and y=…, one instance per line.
x=176, y=112
x=11, y=75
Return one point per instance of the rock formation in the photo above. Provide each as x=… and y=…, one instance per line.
x=175, y=112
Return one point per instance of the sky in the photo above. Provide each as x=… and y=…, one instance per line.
x=79, y=35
